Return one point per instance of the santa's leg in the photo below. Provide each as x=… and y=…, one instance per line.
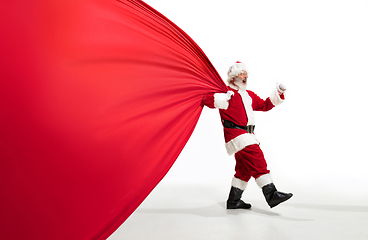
x=272, y=196
x=234, y=201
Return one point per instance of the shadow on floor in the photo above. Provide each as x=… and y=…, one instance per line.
x=217, y=210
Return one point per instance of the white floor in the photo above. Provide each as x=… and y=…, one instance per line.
x=197, y=212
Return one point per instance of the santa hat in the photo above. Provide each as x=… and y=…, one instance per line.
x=235, y=70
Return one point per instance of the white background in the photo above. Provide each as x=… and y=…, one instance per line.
x=315, y=141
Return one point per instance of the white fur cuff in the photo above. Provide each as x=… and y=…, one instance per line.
x=238, y=183
x=221, y=100
x=264, y=180
x=275, y=98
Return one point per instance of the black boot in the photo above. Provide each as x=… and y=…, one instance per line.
x=274, y=197
x=234, y=201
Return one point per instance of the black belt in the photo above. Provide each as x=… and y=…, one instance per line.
x=230, y=124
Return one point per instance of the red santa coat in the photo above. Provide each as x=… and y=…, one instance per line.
x=239, y=109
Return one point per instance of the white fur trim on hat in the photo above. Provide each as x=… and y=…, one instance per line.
x=235, y=70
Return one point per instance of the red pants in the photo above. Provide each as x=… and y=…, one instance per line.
x=250, y=162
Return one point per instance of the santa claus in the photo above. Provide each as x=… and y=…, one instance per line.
x=236, y=110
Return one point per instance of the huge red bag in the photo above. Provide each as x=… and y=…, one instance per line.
x=97, y=100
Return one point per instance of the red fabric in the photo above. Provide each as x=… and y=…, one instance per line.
x=97, y=100
x=250, y=162
x=258, y=104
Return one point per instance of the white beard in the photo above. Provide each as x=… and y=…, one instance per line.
x=242, y=87
x=240, y=84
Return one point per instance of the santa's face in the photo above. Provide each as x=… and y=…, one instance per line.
x=241, y=80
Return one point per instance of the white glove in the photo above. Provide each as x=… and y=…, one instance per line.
x=229, y=94
x=222, y=99
x=281, y=88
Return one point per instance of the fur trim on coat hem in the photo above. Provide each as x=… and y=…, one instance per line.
x=235, y=145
